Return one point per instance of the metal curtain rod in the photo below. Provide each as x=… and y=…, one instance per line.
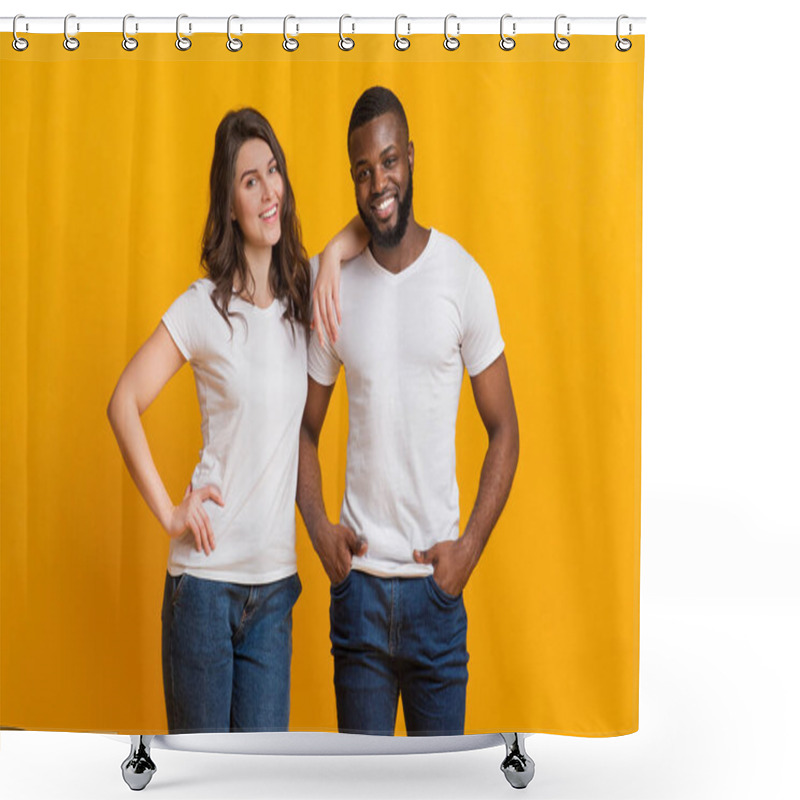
x=334, y=25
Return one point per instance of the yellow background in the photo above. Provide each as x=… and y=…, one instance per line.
x=530, y=158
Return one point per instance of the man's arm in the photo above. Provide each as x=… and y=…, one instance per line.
x=453, y=562
x=335, y=544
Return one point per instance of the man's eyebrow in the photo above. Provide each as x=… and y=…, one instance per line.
x=384, y=152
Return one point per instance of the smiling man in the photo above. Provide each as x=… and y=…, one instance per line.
x=416, y=311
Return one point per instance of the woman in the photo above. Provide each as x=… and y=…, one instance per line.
x=231, y=577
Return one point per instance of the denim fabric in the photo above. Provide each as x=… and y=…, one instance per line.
x=226, y=651
x=401, y=637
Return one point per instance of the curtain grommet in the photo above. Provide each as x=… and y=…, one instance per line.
x=233, y=44
x=182, y=42
x=71, y=43
x=346, y=43
x=451, y=43
x=129, y=43
x=622, y=44
x=290, y=44
x=18, y=43
x=401, y=43
x=507, y=42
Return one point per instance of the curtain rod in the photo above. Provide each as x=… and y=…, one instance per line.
x=404, y=25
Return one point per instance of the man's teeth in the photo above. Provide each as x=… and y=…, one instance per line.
x=382, y=206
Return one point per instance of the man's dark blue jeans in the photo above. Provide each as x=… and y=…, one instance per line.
x=401, y=637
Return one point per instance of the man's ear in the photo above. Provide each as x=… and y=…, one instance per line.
x=411, y=156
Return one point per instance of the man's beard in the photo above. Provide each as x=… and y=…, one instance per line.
x=391, y=238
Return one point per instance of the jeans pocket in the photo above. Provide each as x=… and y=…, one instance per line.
x=441, y=594
x=338, y=589
x=177, y=585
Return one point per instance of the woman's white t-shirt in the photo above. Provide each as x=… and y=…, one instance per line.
x=251, y=386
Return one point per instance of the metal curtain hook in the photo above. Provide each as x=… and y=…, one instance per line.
x=19, y=44
x=290, y=44
x=506, y=42
x=70, y=42
x=233, y=44
x=623, y=45
x=128, y=42
x=181, y=42
x=561, y=44
x=345, y=42
x=400, y=42
x=451, y=42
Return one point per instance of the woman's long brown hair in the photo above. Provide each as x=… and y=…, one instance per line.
x=223, y=244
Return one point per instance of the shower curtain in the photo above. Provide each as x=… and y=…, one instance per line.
x=530, y=159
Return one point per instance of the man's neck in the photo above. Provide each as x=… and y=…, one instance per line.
x=406, y=252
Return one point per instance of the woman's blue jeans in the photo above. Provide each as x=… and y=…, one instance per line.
x=226, y=652
x=401, y=637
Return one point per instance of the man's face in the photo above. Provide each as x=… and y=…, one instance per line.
x=381, y=164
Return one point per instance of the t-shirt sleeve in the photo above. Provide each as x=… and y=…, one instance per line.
x=323, y=363
x=481, y=342
x=184, y=318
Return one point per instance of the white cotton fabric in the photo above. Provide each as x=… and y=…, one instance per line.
x=404, y=342
x=251, y=386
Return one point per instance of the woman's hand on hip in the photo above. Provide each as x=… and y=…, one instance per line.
x=190, y=515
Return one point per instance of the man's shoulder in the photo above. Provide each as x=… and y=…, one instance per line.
x=451, y=255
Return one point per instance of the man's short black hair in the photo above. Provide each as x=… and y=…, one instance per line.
x=373, y=103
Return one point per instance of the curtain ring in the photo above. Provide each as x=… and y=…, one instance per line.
x=19, y=44
x=70, y=42
x=451, y=42
x=181, y=42
x=623, y=45
x=290, y=44
x=561, y=44
x=233, y=44
x=129, y=43
x=400, y=42
x=345, y=42
x=506, y=42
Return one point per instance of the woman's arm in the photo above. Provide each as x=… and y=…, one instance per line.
x=147, y=373
x=347, y=244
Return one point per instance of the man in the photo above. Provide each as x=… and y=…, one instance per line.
x=416, y=311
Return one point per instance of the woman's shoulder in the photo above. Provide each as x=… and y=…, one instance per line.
x=195, y=300
x=198, y=292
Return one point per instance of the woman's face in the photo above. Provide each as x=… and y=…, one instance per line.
x=257, y=195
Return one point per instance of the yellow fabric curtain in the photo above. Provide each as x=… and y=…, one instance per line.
x=531, y=159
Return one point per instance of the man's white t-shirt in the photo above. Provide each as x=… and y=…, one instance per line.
x=251, y=386
x=404, y=341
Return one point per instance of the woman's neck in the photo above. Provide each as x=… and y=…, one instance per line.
x=257, y=289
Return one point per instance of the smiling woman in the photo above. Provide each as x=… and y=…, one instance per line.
x=243, y=253
x=257, y=201
x=232, y=564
